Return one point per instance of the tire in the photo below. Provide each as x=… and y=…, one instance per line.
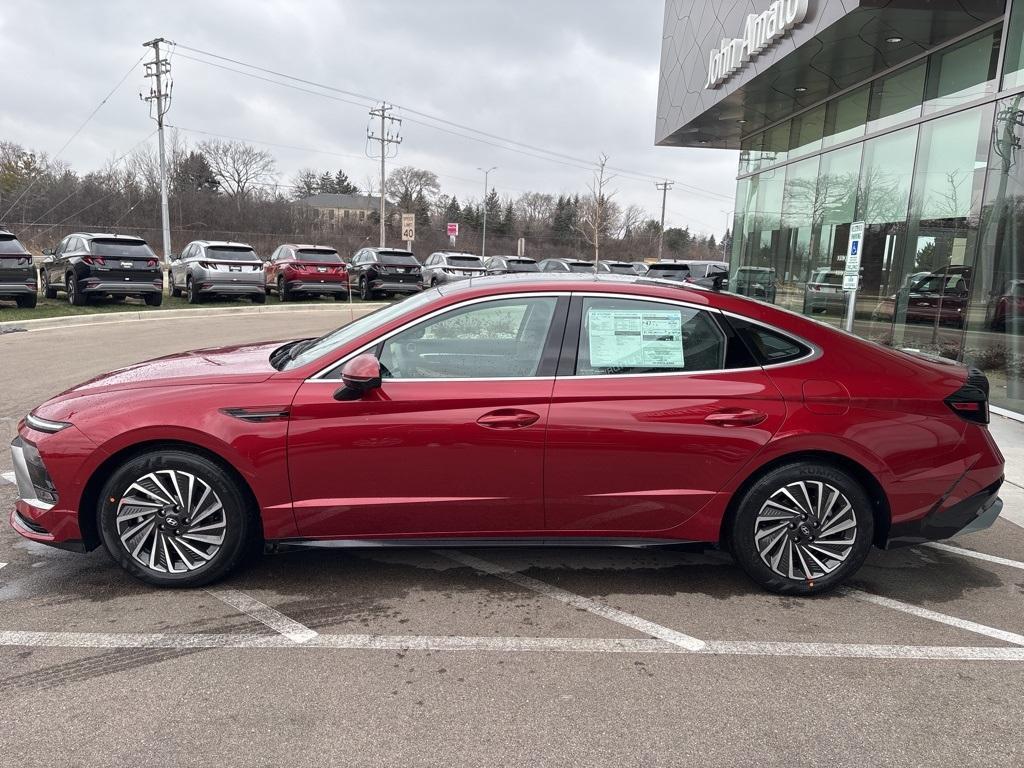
x=48, y=291
x=27, y=302
x=282, y=291
x=153, y=299
x=765, y=551
x=259, y=298
x=226, y=532
x=341, y=297
x=365, y=294
x=191, y=294
x=75, y=297
x=175, y=290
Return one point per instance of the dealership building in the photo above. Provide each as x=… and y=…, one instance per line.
x=901, y=122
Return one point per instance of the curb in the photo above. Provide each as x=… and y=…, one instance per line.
x=103, y=318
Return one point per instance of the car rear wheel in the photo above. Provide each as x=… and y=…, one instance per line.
x=154, y=299
x=802, y=528
x=191, y=294
x=259, y=298
x=174, y=519
x=27, y=302
x=75, y=297
x=48, y=291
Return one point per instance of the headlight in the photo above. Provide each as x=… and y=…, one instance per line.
x=45, y=425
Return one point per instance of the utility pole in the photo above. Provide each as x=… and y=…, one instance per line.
x=664, y=186
x=483, y=241
x=388, y=135
x=159, y=103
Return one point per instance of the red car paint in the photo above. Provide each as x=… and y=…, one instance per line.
x=641, y=456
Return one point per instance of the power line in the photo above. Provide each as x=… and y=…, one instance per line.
x=78, y=130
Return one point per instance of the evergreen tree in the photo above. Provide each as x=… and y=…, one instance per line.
x=508, y=220
x=452, y=212
x=421, y=207
x=341, y=184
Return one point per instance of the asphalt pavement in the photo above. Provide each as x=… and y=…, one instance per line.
x=494, y=657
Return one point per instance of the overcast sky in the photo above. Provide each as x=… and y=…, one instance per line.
x=576, y=77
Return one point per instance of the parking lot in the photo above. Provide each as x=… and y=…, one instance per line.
x=493, y=657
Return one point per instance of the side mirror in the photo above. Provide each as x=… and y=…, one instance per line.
x=359, y=376
x=47, y=251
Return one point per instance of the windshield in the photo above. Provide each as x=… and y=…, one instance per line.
x=319, y=257
x=581, y=266
x=336, y=339
x=11, y=245
x=231, y=253
x=940, y=282
x=828, y=278
x=122, y=249
x=399, y=259
x=474, y=260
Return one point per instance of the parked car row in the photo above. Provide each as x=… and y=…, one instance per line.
x=86, y=265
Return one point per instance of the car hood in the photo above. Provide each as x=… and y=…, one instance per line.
x=238, y=364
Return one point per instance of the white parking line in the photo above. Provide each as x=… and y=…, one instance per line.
x=577, y=601
x=942, y=618
x=507, y=645
x=976, y=555
x=277, y=621
x=9, y=477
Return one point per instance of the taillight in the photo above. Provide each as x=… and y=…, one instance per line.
x=24, y=261
x=970, y=402
x=151, y=263
x=97, y=260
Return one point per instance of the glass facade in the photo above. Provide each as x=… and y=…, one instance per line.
x=929, y=157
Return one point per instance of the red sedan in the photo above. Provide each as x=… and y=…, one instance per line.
x=529, y=409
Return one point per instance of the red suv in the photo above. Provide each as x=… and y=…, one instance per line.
x=578, y=408
x=306, y=270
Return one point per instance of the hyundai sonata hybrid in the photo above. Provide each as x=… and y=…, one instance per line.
x=520, y=410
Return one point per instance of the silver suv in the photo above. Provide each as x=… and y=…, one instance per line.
x=449, y=266
x=216, y=268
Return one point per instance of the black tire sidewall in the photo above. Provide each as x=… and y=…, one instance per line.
x=741, y=538
x=236, y=510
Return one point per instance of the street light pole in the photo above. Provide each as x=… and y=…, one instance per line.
x=664, y=186
x=483, y=242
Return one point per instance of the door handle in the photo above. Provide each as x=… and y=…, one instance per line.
x=736, y=417
x=508, y=418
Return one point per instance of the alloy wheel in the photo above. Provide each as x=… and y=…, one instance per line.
x=171, y=521
x=805, y=530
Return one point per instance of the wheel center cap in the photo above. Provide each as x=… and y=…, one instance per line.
x=805, y=531
x=172, y=520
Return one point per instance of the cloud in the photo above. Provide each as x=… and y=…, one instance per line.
x=575, y=77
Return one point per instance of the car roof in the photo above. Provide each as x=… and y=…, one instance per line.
x=308, y=247
x=231, y=243
x=454, y=253
x=378, y=249
x=108, y=236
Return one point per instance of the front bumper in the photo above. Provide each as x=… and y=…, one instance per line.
x=975, y=513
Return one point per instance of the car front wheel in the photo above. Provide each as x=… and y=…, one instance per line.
x=48, y=291
x=365, y=293
x=75, y=297
x=174, y=519
x=802, y=528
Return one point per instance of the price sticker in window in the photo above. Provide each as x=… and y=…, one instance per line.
x=621, y=338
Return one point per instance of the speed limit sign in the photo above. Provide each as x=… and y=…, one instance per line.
x=408, y=226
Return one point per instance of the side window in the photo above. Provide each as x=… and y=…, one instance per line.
x=768, y=346
x=626, y=336
x=495, y=339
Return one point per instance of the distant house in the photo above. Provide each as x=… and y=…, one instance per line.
x=334, y=211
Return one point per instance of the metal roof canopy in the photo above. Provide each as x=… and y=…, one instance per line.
x=834, y=49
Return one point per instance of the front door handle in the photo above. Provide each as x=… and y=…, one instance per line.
x=736, y=417
x=508, y=418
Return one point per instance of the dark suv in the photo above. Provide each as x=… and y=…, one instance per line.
x=17, y=276
x=385, y=271
x=93, y=264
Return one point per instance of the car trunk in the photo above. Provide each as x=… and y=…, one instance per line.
x=15, y=268
x=123, y=261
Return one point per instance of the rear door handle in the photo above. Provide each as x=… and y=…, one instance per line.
x=736, y=417
x=508, y=418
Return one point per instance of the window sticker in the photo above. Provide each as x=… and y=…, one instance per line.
x=627, y=338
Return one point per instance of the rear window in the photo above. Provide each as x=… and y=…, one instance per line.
x=121, y=249
x=581, y=266
x=463, y=259
x=672, y=271
x=523, y=265
x=769, y=346
x=318, y=256
x=829, y=278
x=621, y=269
x=10, y=244
x=231, y=253
x=399, y=259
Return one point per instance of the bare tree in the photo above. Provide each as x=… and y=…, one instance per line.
x=239, y=167
x=408, y=183
x=598, y=214
x=534, y=210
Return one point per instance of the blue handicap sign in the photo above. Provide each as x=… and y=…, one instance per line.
x=854, y=247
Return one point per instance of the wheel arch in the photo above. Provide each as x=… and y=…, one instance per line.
x=880, y=508
x=88, y=506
